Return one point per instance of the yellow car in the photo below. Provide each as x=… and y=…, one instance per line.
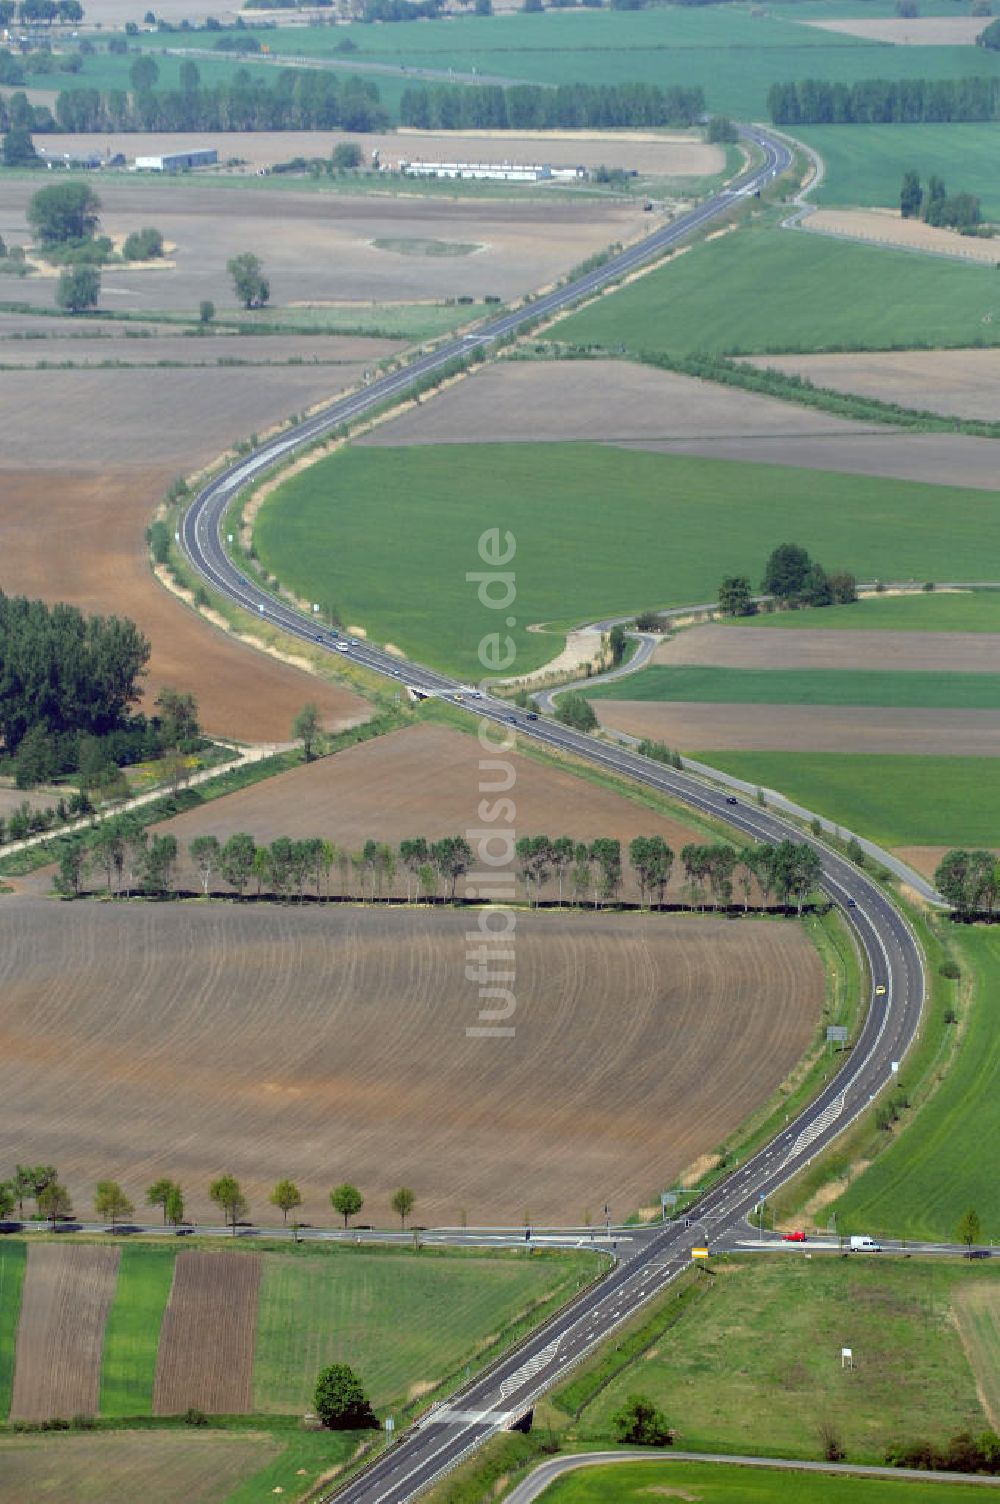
x=880, y=991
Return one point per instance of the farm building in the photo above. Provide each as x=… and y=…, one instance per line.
x=178, y=161
x=493, y=172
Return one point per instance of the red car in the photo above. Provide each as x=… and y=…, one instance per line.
x=794, y=1237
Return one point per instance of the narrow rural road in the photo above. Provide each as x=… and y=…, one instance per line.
x=508, y=1389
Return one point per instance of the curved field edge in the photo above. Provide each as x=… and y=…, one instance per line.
x=812, y=1197
x=389, y=538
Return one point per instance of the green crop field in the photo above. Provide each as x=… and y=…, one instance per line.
x=895, y=800
x=720, y=1483
x=865, y=164
x=401, y=1322
x=930, y=611
x=132, y=1335
x=12, y=1260
x=725, y=686
x=735, y=55
x=387, y=536
x=754, y=1365
x=937, y=1168
x=766, y=290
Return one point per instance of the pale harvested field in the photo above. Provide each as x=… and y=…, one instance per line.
x=924, y=858
x=667, y=156
x=324, y=250
x=887, y=227
x=920, y=31
x=808, y=728
x=344, y=360
x=60, y=1336
x=957, y=383
x=205, y=1356
x=330, y=1043
x=423, y=781
x=637, y=407
x=126, y=1467
x=77, y=535
x=753, y=647
x=11, y=799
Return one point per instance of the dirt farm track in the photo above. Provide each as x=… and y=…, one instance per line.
x=330, y=1043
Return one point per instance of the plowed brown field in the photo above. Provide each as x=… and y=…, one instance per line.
x=423, y=781
x=807, y=728
x=78, y=537
x=205, y=1357
x=958, y=383
x=330, y=1044
x=130, y=1467
x=630, y=405
x=60, y=1337
x=819, y=648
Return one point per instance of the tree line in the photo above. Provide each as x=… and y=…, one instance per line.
x=294, y=100
x=129, y=861
x=41, y=1184
x=936, y=206
x=970, y=881
x=883, y=101
x=792, y=579
x=454, y=107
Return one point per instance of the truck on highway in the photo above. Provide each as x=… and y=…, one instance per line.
x=865, y=1245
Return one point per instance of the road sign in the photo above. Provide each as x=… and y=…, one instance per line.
x=390, y=1424
x=836, y=1034
x=699, y=1253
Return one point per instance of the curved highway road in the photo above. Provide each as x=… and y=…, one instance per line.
x=647, y=1262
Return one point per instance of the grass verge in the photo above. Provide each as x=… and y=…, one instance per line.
x=848, y=687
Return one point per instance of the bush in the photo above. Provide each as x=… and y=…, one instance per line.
x=195, y=1417
x=341, y=1402
x=640, y=1423
x=79, y=288
x=950, y=969
x=575, y=710
x=143, y=245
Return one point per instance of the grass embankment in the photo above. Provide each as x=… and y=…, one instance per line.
x=861, y=687
x=940, y=1164
x=865, y=165
x=928, y=611
x=718, y=1483
x=792, y=292
x=754, y=1364
x=896, y=800
x=391, y=535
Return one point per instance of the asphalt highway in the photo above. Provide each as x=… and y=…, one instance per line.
x=645, y=1263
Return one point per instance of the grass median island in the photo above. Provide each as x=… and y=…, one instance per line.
x=754, y=1365
x=860, y=687
x=390, y=535
x=939, y=1166
x=717, y=1483
x=893, y=799
x=792, y=292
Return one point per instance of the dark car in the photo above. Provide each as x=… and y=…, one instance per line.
x=532, y=715
x=512, y=719
x=979, y=1253
x=732, y=799
x=851, y=903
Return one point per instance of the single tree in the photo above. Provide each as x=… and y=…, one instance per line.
x=7, y=1199
x=64, y=212
x=178, y=717
x=617, y=642
x=143, y=75
x=452, y=856
x=640, y=1423
x=18, y=148
x=286, y=1196
x=346, y=156
x=111, y=1202
x=402, y=1203
x=54, y=1202
x=229, y=1198
x=78, y=288
x=346, y=1201
x=414, y=853
x=206, y=311
x=911, y=196
x=341, y=1402
x=735, y=597
x=72, y=866
x=158, y=870
x=205, y=852
x=157, y=1194
x=173, y=1206
x=785, y=572
x=970, y=1228
x=306, y=729
x=236, y=862
x=249, y=283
